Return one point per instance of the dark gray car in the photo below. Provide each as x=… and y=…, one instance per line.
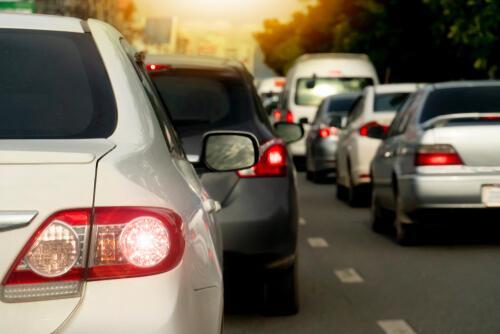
x=321, y=143
x=259, y=215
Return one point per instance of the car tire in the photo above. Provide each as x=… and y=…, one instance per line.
x=281, y=297
x=341, y=191
x=381, y=218
x=406, y=233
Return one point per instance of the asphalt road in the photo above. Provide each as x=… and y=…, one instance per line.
x=449, y=284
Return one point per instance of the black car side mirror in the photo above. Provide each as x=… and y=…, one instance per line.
x=304, y=120
x=226, y=151
x=289, y=132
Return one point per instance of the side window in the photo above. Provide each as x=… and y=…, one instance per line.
x=402, y=119
x=159, y=108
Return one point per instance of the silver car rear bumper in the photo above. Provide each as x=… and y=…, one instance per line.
x=445, y=191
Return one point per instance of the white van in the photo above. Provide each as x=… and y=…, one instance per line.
x=317, y=76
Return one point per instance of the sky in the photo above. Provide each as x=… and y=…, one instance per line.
x=228, y=12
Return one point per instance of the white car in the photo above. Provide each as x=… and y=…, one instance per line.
x=104, y=225
x=317, y=76
x=367, y=123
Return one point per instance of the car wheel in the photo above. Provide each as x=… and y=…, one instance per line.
x=381, y=218
x=406, y=233
x=281, y=295
x=354, y=194
x=341, y=191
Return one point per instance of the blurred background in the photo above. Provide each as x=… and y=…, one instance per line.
x=408, y=40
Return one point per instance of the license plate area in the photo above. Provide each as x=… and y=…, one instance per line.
x=491, y=195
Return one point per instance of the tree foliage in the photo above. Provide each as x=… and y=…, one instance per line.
x=408, y=40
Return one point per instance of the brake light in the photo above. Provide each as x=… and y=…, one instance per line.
x=157, y=67
x=327, y=132
x=277, y=115
x=437, y=155
x=273, y=162
x=133, y=242
x=126, y=242
x=365, y=130
x=289, y=117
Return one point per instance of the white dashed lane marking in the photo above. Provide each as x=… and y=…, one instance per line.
x=349, y=276
x=396, y=327
x=317, y=242
x=302, y=222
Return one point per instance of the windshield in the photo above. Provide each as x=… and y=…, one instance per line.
x=53, y=85
x=202, y=100
x=310, y=92
x=461, y=100
x=390, y=102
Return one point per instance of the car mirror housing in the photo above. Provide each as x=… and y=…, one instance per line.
x=289, y=132
x=226, y=151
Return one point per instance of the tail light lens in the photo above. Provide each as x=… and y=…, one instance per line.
x=437, y=155
x=277, y=115
x=372, y=127
x=272, y=162
x=328, y=132
x=125, y=242
x=289, y=117
x=157, y=67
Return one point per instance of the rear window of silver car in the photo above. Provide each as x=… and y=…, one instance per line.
x=461, y=100
x=390, y=102
x=53, y=85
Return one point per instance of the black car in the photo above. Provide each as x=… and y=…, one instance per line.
x=259, y=215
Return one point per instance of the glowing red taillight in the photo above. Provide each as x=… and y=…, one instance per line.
x=289, y=117
x=437, y=155
x=327, y=132
x=273, y=162
x=367, y=129
x=277, y=115
x=125, y=242
x=157, y=67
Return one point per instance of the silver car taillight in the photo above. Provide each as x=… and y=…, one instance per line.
x=126, y=242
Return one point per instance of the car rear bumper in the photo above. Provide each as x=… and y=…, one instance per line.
x=445, y=191
x=259, y=220
x=322, y=155
x=159, y=304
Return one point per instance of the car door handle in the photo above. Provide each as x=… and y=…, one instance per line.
x=11, y=220
x=212, y=206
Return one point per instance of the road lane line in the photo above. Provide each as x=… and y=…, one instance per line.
x=317, y=242
x=349, y=276
x=302, y=222
x=396, y=327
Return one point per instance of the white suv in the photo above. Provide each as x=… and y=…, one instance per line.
x=104, y=225
x=367, y=123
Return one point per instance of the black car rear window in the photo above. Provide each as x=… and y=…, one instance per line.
x=201, y=100
x=53, y=85
x=484, y=99
x=341, y=105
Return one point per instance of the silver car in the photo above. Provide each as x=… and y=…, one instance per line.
x=441, y=157
x=322, y=141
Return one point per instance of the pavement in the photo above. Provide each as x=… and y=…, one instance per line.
x=355, y=281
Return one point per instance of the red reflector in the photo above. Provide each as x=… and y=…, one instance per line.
x=367, y=128
x=490, y=118
x=273, y=162
x=289, y=117
x=157, y=67
x=437, y=155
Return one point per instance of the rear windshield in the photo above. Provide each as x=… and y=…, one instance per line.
x=53, y=85
x=311, y=91
x=461, y=100
x=341, y=105
x=203, y=100
x=390, y=102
